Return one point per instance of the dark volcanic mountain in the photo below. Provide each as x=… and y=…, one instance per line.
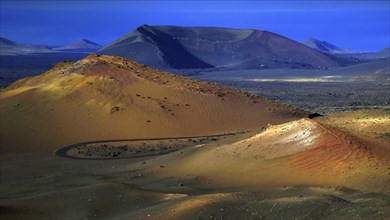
x=82, y=45
x=204, y=47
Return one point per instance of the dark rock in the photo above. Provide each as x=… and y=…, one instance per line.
x=314, y=115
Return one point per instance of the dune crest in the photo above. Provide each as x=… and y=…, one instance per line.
x=302, y=152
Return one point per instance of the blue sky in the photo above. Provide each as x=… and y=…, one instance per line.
x=360, y=25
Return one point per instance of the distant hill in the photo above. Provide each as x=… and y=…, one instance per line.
x=382, y=54
x=204, y=47
x=385, y=53
x=9, y=47
x=327, y=47
x=22, y=60
x=373, y=71
x=324, y=46
x=6, y=42
x=82, y=45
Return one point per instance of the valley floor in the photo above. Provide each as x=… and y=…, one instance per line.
x=323, y=91
x=60, y=188
x=321, y=97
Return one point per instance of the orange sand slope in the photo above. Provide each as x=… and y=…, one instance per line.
x=300, y=152
x=370, y=127
x=103, y=97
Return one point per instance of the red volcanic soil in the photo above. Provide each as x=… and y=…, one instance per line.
x=303, y=152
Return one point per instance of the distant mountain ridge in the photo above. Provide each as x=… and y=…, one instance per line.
x=325, y=46
x=385, y=53
x=82, y=45
x=373, y=56
x=203, y=47
x=330, y=48
x=9, y=47
x=6, y=42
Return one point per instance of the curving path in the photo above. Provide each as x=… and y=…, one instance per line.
x=62, y=152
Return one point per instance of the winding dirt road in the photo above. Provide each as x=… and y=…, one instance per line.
x=62, y=152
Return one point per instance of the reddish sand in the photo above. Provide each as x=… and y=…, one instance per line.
x=303, y=152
